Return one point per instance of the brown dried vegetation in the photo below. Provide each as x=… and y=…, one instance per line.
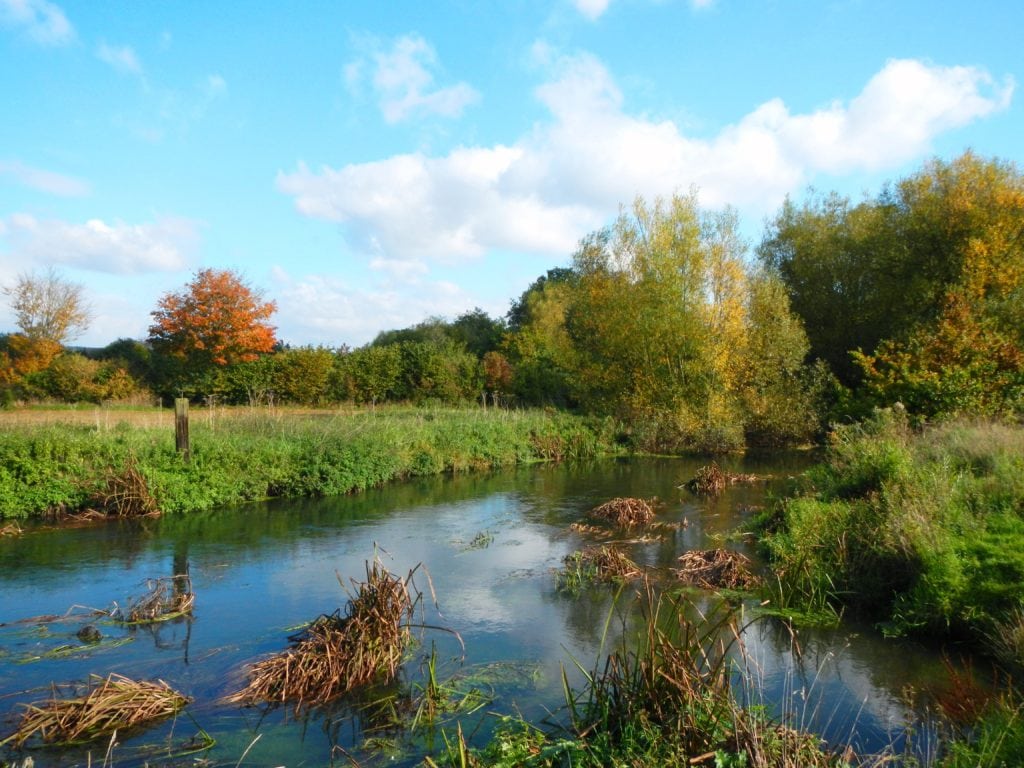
x=112, y=704
x=125, y=493
x=716, y=569
x=625, y=512
x=336, y=653
x=168, y=598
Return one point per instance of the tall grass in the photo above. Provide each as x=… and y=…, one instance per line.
x=254, y=455
x=922, y=531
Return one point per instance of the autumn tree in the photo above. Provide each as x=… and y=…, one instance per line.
x=49, y=311
x=217, y=320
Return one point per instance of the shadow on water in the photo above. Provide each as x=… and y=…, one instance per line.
x=490, y=543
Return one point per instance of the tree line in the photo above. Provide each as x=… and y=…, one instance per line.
x=665, y=319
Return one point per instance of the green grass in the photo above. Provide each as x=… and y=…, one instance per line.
x=921, y=531
x=49, y=467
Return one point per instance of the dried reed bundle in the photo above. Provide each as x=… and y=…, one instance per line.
x=711, y=479
x=168, y=598
x=716, y=569
x=337, y=653
x=707, y=479
x=609, y=562
x=625, y=512
x=112, y=704
x=10, y=529
x=126, y=493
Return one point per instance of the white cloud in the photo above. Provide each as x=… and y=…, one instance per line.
x=117, y=248
x=570, y=173
x=325, y=310
x=122, y=58
x=44, y=22
x=43, y=180
x=592, y=9
x=403, y=80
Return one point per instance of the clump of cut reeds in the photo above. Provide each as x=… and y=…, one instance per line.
x=337, y=653
x=625, y=512
x=590, y=530
x=599, y=563
x=716, y=569
x=170, y=597
x=10, y=529
x=125, y=493
x=114, y=703
x=709, y=479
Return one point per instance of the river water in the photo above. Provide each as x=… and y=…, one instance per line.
x=488, y=546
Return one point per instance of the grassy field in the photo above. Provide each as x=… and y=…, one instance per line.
x=65, y=460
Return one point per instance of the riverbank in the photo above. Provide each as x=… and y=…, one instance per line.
x=50, y=465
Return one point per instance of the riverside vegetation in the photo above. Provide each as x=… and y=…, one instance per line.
x=65, y=468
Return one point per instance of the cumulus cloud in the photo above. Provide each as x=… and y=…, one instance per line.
x=42, y=21
x=43, y=180
x=570, y=172
x=324, y=309
x=403, y=79
x=116, y=248
x=121, y=57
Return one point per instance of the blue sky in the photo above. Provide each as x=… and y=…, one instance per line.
x=367, y=165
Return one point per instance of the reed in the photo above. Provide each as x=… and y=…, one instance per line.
x=716, y=569
x=168, y=598
x=110, y=704
x=625, y=512
x=125, y=493
x=337, y=653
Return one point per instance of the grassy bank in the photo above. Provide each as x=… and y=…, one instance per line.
x=244, y=455
x=921, y=531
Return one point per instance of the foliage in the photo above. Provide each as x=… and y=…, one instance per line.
x=47, y=307
x=671, y=333
x=923, y=284
x=921, y=531
x=217, y=320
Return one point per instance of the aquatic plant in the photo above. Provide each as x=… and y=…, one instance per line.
x=597, y=563
x=716, y=569
x=625, y=512
x=169, y=597
x=336, y=652
x=114, y=703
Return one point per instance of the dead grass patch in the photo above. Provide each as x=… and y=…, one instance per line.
x=625, y=512
x=336, y=653
x=114, y=703
x=716, y=569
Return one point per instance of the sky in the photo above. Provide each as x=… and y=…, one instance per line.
x=369, y=165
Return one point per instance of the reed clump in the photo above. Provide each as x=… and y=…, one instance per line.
x=716, y=569
x=114, y=703
x=168, y=598
x=10, y=529
x=598, y=563
x=625, y=512
x=337, y=653
x=125, y=493
x=712, y=479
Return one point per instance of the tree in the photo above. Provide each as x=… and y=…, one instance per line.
x=48, y=308
x=217, y=320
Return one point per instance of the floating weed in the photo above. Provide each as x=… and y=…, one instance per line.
x=71, y=650
x=453, y=696
x=335, y=653
x=168, y=598
x=594, y=564
x=10, y=529
x=625, y=512
x=114, y=703
x=716, y=569
x=481, y=540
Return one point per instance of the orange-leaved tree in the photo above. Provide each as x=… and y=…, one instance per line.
x=217, y=320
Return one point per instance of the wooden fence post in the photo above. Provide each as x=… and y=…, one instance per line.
x=181, y=427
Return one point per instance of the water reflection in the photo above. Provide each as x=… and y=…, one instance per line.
x=489, y=544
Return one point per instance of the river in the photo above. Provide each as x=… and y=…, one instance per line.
x=488, y=546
